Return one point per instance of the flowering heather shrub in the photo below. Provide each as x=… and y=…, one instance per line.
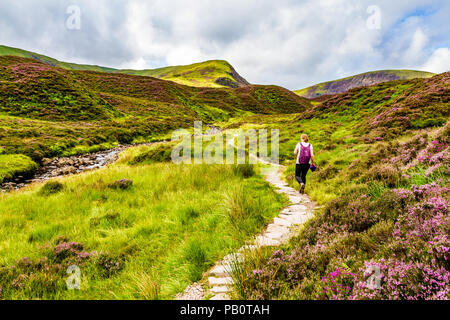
x=386, y=174
x=405, y=232
x=413, y=104
x=407, y=151
x=260, y=283
x=436, y=156
x=108, y=264
x=392, y=208
x=45, y=276
x=423, y=104
x=405, y=281
x=66, y=250
x=435, y=152
x=338, y=285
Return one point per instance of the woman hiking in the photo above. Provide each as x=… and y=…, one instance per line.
x=305, y=157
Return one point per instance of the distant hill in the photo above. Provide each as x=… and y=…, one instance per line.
x=386, y=109
x=213, y=73
x=360, y=80
x=9, y=51
x=46, y=110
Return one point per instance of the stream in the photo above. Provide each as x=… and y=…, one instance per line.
x=59, y=167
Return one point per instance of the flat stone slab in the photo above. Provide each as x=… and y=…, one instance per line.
x=282, y=222
x=295, y=199
x=221, y=296
x=220, y=289
x=296, y=207
x=277, y=228
x=295, y=219
x=294, y=213
x=275, y=235
x=192, y=292
x=265, y=241
x=220, y=271
x=286, y=189
x=213, y=281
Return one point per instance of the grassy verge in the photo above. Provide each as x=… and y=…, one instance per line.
x=147, y=241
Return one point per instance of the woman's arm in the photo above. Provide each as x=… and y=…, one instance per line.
x=296, y=150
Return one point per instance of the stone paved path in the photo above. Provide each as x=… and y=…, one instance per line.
x=279, y=231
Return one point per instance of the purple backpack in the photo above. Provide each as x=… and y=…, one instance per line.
x=305, y=154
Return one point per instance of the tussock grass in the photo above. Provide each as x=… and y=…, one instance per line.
x=166, y=229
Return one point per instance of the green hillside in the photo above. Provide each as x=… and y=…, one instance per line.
x=9, y=51
x=382, y=182
x=363, y=79
x=214, y=73
x=47, y=111
x=383, y=156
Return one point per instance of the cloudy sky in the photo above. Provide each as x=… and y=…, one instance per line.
x=292, y=43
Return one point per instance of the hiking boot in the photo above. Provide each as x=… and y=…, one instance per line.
x=302, y=188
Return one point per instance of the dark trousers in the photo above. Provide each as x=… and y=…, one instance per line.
x=300, y=172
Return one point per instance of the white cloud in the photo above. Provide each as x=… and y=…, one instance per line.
x=292, y=43
x=438, y=62
x=137, y=64
x=184, y=54
x=415, y=51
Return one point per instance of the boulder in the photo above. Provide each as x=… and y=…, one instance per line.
x=46, y=161
x=68, y=170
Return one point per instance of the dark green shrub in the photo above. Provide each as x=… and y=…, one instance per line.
x=158, y=153
x=51, y=187
x=108, y=264
x=122, y=184
x=385, y=174
x=244, y=170
x=327, y=173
